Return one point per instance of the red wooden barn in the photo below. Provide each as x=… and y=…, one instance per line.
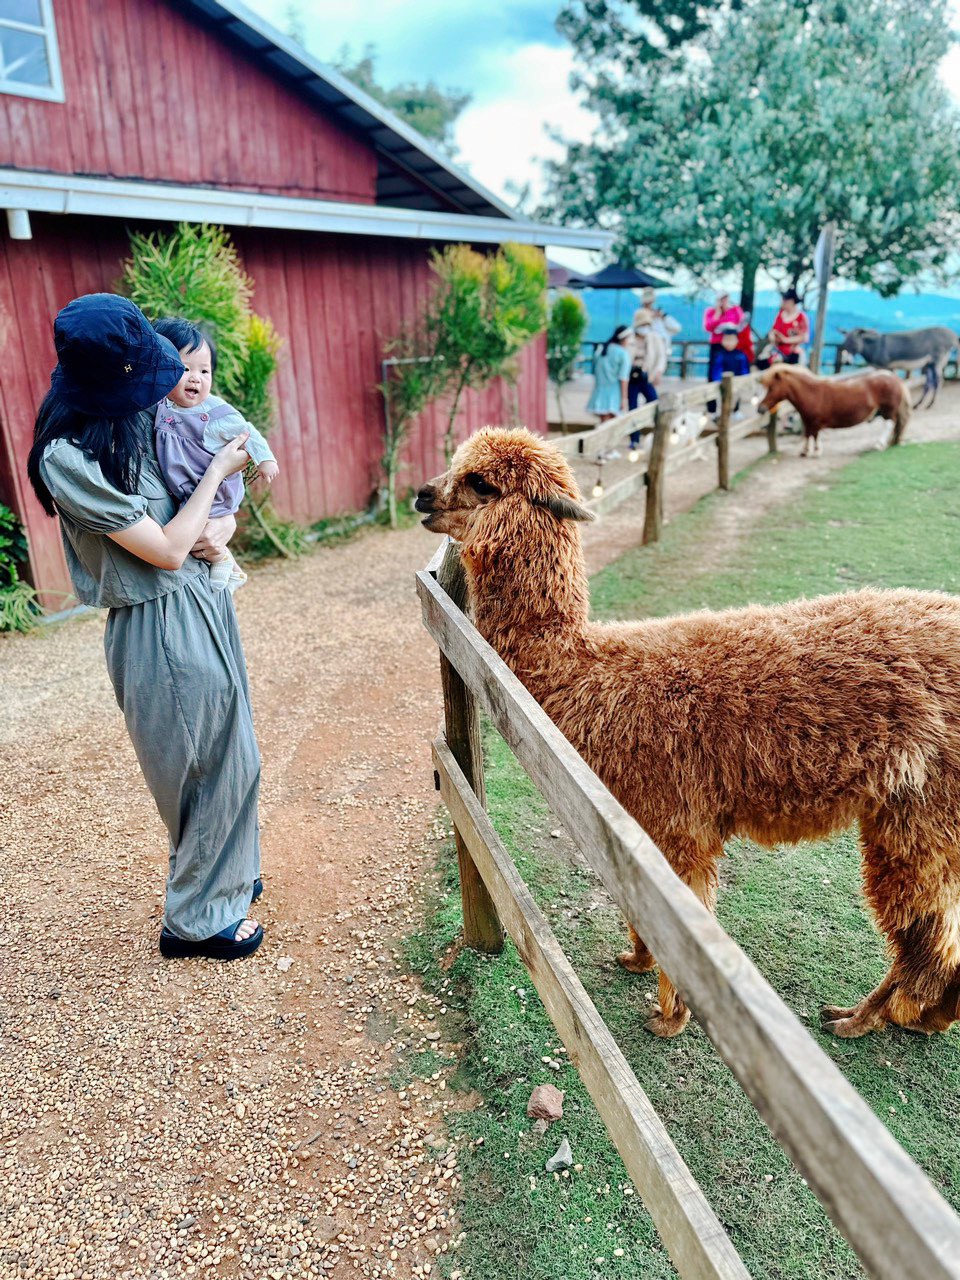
x=121, y=114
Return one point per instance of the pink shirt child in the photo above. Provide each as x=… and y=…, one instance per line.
x=714, y=317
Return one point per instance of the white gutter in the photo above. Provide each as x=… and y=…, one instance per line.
x=162, y=202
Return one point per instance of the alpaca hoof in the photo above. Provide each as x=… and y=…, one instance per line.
x=847, y=1028
x=634, y=963
x=667, y=1028
x=832, y=1013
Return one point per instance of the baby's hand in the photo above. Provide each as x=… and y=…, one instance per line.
x=268, y=471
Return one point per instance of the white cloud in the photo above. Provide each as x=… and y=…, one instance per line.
x=502, y=135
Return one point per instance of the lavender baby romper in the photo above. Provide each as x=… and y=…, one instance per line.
x=183, y=456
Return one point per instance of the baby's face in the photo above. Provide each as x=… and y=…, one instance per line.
x=194, y=386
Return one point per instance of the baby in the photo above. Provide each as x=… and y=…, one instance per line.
x=192, y=425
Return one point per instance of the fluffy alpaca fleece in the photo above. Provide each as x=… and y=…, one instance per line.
x=778, y=723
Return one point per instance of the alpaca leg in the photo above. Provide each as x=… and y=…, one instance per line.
x=672, y=1015
x=638, y=958
x=922, y=924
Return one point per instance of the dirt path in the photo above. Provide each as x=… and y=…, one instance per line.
x=169, y=1120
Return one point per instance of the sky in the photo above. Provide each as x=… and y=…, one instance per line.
x=506, y=53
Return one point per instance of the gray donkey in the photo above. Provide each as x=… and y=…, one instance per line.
x=926, y=349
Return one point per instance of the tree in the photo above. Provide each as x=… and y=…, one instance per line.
x=777, y=117
x=427, y=108
x=481, y=312
x=486, y=308
x=565, y=330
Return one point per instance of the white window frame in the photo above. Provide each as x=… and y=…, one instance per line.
x=54, y=91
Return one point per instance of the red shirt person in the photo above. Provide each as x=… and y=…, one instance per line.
x=791, y=329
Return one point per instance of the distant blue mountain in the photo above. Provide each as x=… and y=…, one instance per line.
x=848, y=309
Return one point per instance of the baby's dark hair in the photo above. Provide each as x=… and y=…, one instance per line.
x=186, y=336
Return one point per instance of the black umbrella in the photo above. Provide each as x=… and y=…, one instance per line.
x=618, y=276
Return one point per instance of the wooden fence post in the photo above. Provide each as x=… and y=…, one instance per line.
x=482, y=929
x=684, y=359
x=723, y=431
x=772, y=429
x=653, y=513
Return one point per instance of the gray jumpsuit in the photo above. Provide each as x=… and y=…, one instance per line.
x=176, y=662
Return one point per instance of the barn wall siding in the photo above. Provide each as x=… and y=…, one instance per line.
x=334, y=301
x=151, y=94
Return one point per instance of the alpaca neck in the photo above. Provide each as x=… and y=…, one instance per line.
x=532, y=591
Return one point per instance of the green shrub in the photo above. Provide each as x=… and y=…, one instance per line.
x=565, y=330
x=19, y=609
x=195, y=272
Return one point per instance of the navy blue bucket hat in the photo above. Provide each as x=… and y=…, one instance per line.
x=111, y=360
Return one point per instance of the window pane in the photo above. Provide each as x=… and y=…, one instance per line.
x=21, y=11
x=23, y=57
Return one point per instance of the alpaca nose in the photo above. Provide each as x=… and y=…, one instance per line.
x=425, y=498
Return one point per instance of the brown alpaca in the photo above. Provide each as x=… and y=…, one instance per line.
x=780, y=724
x=837, y=402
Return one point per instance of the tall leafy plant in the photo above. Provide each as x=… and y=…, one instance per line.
x=481, y=312
x=195, y=272
x=19, y=608
x=485, y=309
x=565, y=330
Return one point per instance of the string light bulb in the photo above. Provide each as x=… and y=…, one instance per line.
x=703, y=420
x=754, y=400
x=674, y=438
x=597, y=490
x=634, y=454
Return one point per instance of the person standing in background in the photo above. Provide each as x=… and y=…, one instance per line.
x=790, y=332
x=723, y=312
x=663, y=325
x=611, y=372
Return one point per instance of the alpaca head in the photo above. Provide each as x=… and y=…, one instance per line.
x=498, y=478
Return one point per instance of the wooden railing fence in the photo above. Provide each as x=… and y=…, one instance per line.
x=889, y=1211
x=664, y=456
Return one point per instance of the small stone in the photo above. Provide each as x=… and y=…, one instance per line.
x=284, y=963
x=561, y=1159
x=186, y=1223
x=556, y=834
x=433, y=1035
x=546, y=1103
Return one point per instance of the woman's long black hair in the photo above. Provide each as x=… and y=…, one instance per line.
x=621, y=330
x=117, y=444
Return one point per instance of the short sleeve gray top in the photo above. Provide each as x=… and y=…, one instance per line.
x=90, y=508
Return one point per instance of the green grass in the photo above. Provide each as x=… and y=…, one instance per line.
x=886, y=519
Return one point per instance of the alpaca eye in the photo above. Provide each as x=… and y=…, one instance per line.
x=480, y=486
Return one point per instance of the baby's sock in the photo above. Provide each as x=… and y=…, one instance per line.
x=221, y=572
x=237, y=576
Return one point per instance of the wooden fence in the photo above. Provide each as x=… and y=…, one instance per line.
x=899, y=1225
x=659, y=418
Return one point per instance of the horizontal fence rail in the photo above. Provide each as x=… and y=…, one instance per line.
x=666, y=453
x=889, y=1211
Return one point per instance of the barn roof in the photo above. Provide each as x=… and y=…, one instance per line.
x=412, y=173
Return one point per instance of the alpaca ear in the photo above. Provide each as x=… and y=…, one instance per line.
x=565, y=508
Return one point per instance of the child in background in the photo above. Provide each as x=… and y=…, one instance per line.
x=729, y=359
x=191, y=425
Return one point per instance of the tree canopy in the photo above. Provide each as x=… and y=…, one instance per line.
x=729, y=139
x=427, y=108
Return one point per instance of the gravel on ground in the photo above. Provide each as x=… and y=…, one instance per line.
x=172, y=1119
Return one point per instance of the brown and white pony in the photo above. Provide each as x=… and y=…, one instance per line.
x=837, y=402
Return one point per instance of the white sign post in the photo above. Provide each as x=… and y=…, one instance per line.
x=823, y=269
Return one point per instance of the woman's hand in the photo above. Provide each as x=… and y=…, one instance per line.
x=232, y=457
x=212, y=542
